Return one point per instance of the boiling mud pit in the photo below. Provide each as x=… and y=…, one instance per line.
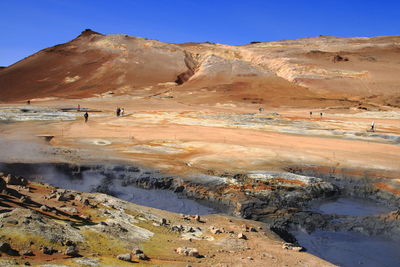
x=346, y=248
x=350, y=206
x=350, y=249
x=114, y=181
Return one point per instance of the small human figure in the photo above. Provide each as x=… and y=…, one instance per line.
x=122, y=112
x=261, y=110
x=118, y=112
x=79, y=107
x=373, y=126
x=86, y=115
x=310, y=114
x=28, y=102
x=320, y=114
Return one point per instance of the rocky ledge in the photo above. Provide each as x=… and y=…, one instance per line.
x=41, y=224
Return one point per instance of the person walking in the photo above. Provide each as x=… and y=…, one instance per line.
x=86, y=116
x=118, y=112
x=122, y=112
x=373, y=126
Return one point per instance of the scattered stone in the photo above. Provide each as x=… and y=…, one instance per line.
x=197, y=218
x=15, y=180
x=28, y=253
x=25, y=199
x=125, y=257
x=252, y=229
x=49, y=250
x=45, y=208
x=27, y=263
x=87, y=261
x=215, y=230
x=193, y=252
x=290, y=246
x=163, y=221
x=142, y=257
x=6, y=248
x=242, y=236
x=72, y=251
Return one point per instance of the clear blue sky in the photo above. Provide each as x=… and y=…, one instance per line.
x=31, y=25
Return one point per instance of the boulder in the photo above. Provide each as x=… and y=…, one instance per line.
x=45, y=208
x=72, y=251
x=124, y=257
x=193, y=252
x=15, y=180
x=242, y=236
x=6, y=248
x=290, y=246
x=48, y=250
x=28, y=253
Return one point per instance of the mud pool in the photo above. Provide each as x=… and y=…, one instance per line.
x=350, y=249
x=350, y=206
x=94, y=181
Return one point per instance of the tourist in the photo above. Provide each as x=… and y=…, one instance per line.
x=122, y=112
x=118, y=112
x=86, y=115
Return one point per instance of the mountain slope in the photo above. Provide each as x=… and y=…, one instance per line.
x=284, y=72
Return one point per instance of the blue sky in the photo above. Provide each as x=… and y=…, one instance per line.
x=28, y=26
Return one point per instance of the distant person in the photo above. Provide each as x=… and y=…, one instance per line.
x=261, y=110
x=310, y=114
x=320, y=114
x=79, y=107
x=86, y=115
x=373, y=126
x=28, y=102
x=118, y=112
x=122, y=112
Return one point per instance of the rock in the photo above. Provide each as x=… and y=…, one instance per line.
x=252, y=229
x=70, y=243
x=15, y=180
x=28, y=253
x=290, y=246
x=49, y=250
x=242, y=236
x=3, y=184
x=25, y=199
x=215, y=230
x=72, y=251
x=6, y=248
x=193, y=252
x=45, y=208
x=137, y=251
x=124, y=257
x=142, y=257
x=197, y=218
x=87, y=261
x=163, y=221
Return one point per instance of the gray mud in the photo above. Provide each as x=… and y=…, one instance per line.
x=112, y=181
x=350, y=249
x=349, y=206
